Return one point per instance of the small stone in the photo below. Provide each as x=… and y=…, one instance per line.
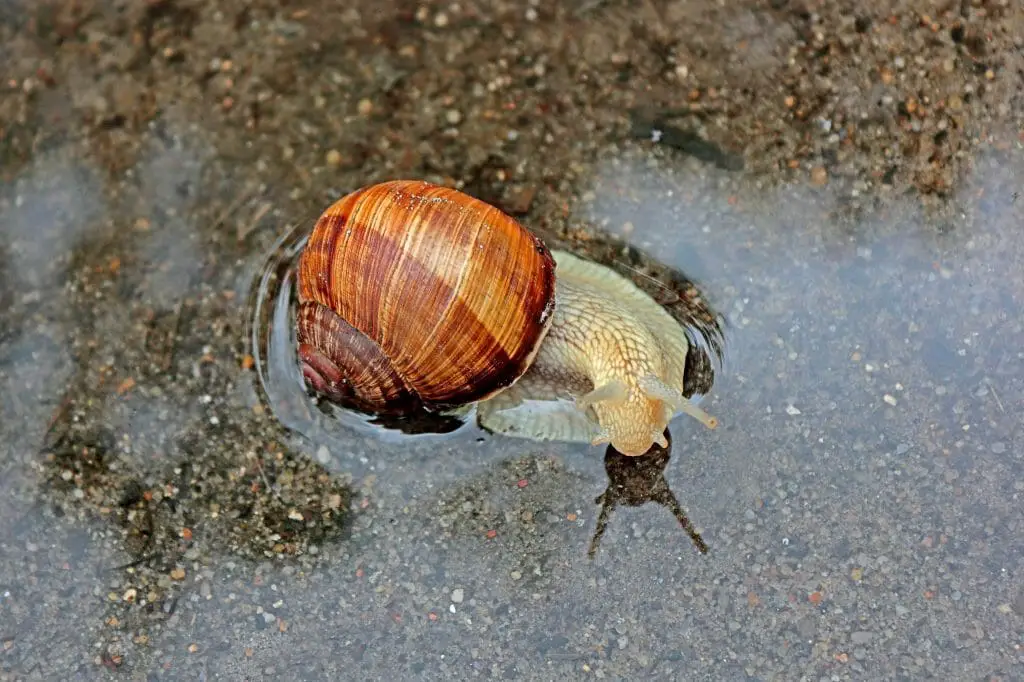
x=454, y=117
x=792, y=410
x=819, y=176
x=889, y=400
x=520, y=200
x=516, y=575
x=861, y=637
x=457, y=595
x=178, y=574
x=806, y=626
x=365, y=107
x=1018, y=604
x=999, y=448
x=333, y=159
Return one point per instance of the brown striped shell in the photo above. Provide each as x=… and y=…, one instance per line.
x=414, y=296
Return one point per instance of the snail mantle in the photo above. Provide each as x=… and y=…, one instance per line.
x=415, y=297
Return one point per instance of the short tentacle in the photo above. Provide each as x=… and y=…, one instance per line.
x=612, y=392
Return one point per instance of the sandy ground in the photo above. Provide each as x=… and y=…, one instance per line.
x=841, y=178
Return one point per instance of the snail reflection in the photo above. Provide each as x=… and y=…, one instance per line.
x=417, y=303
x=635, y=481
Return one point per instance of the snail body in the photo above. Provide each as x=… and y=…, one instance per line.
x=419, y=297
x=610, y=370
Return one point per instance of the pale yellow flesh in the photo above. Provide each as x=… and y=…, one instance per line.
x=609, y=371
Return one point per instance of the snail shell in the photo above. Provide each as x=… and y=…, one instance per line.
x=417, y=297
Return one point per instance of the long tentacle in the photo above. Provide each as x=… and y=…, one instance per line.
x=656, y=388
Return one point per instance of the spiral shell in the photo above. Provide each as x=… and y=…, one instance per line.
x=416, y=296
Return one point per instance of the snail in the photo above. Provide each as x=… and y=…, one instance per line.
x=417, y=297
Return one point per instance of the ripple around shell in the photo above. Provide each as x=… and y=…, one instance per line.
x=271, y=336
